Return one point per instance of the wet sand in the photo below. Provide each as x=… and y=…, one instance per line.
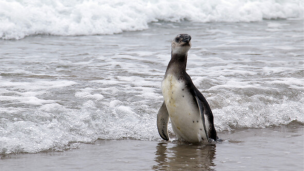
x=276, y=148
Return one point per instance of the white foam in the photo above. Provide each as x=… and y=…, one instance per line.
x=26, y=100
x=247, y=116
x=28, y=93
x=86, y=93
x=36, y=85
x=20, y=19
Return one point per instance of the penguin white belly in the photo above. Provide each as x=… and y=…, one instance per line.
x=183, y=111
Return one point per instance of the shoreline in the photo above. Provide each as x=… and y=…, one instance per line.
x=274, y=148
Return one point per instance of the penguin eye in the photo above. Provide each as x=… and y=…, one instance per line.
x=177, y=39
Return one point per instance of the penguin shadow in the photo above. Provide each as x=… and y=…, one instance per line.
x=183, y=156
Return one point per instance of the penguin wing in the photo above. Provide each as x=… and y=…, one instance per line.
x=201, y=111
x=162, y=122
x=206, y=114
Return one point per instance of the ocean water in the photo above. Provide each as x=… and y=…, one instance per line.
x=19, y=18
x=76, y=71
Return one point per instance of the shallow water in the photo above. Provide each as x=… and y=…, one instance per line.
x=276, y=148
x=56, y=90
x=83, y=100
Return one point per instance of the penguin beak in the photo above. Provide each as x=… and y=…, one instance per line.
x=183, y=39
x=186, y=39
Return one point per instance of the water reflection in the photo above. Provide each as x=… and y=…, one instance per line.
x=172, y=156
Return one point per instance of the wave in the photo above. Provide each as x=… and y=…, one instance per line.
x=80, y=17
x=125, y=107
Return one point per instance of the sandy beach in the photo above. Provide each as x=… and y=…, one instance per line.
x=277, y=148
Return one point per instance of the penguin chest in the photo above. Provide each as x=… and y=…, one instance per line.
x=183, y=111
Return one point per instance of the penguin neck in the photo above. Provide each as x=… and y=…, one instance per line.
x=177, y=64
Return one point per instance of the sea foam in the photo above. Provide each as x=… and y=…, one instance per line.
x=70, y=17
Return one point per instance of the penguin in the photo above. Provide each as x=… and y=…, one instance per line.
x=190, y=114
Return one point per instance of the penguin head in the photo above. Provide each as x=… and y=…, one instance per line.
x=181, y=44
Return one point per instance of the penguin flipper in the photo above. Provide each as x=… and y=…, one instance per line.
x=201, y=111
x=162, y=122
